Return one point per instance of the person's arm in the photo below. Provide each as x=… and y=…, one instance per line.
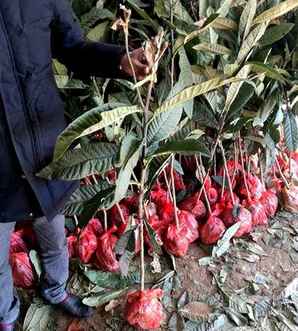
x=84, y=57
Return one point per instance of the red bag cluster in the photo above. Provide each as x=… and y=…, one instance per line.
x=144, y=309
x=21, y=242
x=22, y=270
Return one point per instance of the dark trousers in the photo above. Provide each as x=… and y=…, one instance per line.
x=54, y=257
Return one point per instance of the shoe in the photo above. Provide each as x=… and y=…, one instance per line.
x=74, y=306
x=7, y=326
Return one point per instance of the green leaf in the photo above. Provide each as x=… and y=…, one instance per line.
x=204, y=116
x=153, y=238
x=40, y=317
x=102, y=200
x=246, y=18
x=212, y=48
x=235, y=87
x=162, y=125
x=223, y=244
x=265, y=110
x=270, y=72
x=185, y=80
x=95, y=158
x=85, y=193
x=225, y=8
x=90, y=122
x=35, y=260
x=208, y=24
x=291, y=131
x=192, y=92
x=275, y=33
x=245, y=93
x=98, y=33
x=100, y=300
x=111, y=280
x=277, y=11
x=144, y=15
x=130, y=151
x=251, y=41
x=183, y=147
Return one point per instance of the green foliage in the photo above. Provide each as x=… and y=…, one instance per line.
x=234, y=68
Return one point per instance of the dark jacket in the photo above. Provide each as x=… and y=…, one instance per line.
x=31, y=111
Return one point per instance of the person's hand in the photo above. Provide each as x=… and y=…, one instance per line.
x=140, y=64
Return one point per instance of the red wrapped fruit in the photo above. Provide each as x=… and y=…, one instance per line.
x=212, y=230
x=176, y=240
x=144, y=309
x=245, y=219
x=22, y=271
x=187, y=220
x=255, y=187
x=211, y=191
x=17, y=244
x=72, y=245
x=270, y=201
x=87, y=245
x=258, y=212
x=290, y=198
x=194, y=205
x=120, y=218
x=95, y=226
x=105, y=257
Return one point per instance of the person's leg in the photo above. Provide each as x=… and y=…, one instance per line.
x=54, y=257
x=9, y=302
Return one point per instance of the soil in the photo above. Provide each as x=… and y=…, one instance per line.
x=272, y=267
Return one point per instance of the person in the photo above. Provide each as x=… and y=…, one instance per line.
x=31, y=117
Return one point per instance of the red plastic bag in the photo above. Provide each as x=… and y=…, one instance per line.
x=95, y=226
x=118, y=220
x=17, y=244
x=255, y=187
x=72, y=245
x=87, y=245
x=211, y=191
x=28, y=236
x=245, y=219
x=290, y=198
x=158, y=195
x=258, y=212
x=270, y=201
x=111, y=175
x=105, y=256
x=194, y=205
x=166, y=212
x=212, y=230
x=22, y=271
x=132, y=202
x=144, y=309
x=176, y=240
x=187, y=220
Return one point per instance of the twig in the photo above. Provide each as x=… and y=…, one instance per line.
x=200, y=177
x=167, y=183
x=174, y=193
x=105, y=220
x=227, y=173
x=281, y=173
x=243, y=169
x=261, y=167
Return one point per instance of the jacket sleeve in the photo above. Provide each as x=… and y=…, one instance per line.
x=82, y=57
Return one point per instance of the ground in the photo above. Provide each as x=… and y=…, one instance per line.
x=251, y=287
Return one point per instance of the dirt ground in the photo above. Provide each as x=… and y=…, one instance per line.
x=255, y=270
